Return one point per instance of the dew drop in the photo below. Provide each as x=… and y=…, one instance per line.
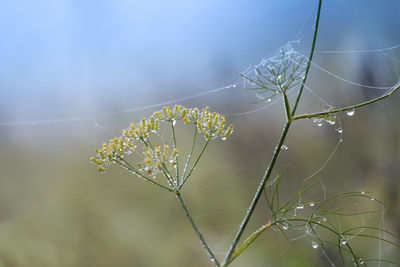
x=285, y=226
x=360, y=261
x=311, y=204
x=173, y=122
x=343, y=241
x=324, y=219
x=372, y=198
x=300, y=207
x=223, y=138
x=350, y=112
x=340, y=130
x=314, y=245
x=284, y=147
x=269, y=99
x=362, y=192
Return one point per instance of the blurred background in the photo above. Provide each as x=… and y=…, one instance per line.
x=74, y=73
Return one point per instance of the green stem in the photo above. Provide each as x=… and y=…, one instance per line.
x=248, y=241
x=321, y=114
x=195, y=164
x=200, y=236
x=190, y=155
x=128, y=166
x=309, y=59
x=177, y=157
x=267, y=175
x=257, y=195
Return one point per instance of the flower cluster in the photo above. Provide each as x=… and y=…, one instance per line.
x=211, y=124
x=158, y=158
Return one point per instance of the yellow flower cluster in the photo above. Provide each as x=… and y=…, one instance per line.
x=212, y=125
x=158, y=160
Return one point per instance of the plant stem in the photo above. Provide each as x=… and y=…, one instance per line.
x=321, y=114
x=203, y=241
x=128, y=166
x=309, y=59
x=184, y=179
x=189, y=156
x=267, y=174
x=257, y=195
x=177, y=157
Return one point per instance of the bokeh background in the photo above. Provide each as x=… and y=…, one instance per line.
x=74, y=73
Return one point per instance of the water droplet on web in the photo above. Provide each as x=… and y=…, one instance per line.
x=311, y=204
x=362, y=192
x=343, y=241
x=314, y=245
x=284, y=147
x=340, y=130
x=173, y=122
x=360, y=261
x=269, y=99
x=234, y=85
x=285, y=226
x=372, y=198
x=324, y=219
x=350, y=112
x=300, y=207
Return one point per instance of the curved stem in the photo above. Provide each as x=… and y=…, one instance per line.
x=200, y=236
x=309, y=59
x=321, y=114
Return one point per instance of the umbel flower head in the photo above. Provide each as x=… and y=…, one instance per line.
x=160, y=158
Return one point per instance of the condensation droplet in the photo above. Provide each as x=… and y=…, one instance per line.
x=314, y=245
x=350, y=112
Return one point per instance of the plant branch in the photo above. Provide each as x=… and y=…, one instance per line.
x=309, y=59
x=203, y=241
x=195, y=164
x=257, y=195
x=321, y=114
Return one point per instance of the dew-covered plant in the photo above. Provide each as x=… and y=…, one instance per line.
x=164, y=166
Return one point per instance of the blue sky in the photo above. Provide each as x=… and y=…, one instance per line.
x=62, y=58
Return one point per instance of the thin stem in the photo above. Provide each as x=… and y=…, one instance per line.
x=321, y=114
x=277, y=150
x=287, y=106
x=128, y=166
x=309, y=59
x=257, y=195
x=177, y=157
x=195, y=164
x=190, y=154
x=200, y=236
